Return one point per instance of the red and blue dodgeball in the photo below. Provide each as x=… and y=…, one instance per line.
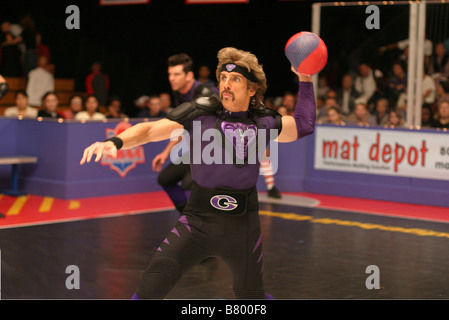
x=306, y=52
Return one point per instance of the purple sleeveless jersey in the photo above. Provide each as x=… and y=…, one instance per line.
x=242, y=143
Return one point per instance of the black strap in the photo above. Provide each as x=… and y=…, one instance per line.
x=220, y=200
x=117, y=141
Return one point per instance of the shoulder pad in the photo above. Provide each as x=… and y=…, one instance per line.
x=262, y=111
x=187, y=111
x=208, y=104
x=203, y=90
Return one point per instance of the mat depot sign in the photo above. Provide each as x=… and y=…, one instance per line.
x=416, y=154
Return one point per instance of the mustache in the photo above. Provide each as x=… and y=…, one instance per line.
x=228, y=92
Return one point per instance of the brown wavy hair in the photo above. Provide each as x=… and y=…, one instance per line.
x=248, y=60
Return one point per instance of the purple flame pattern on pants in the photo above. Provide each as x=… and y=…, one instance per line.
x=259, y=241
x=183, y=220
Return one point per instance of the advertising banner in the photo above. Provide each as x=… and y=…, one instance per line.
x=415, y=154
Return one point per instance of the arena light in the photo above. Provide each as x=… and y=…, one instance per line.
x=384, y=2
x=122, y=2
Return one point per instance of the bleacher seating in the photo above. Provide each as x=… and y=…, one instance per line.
x=64, y=88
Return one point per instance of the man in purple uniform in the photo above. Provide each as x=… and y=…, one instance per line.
x=177, y=179
x=221, y=218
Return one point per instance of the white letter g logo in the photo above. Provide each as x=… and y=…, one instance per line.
x=223, y=202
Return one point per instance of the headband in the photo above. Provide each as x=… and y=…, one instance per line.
x=232, y=67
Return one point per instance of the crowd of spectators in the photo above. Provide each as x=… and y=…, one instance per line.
x=369, y=97
x=372, y=97
x=95, y=104
x=23, y=55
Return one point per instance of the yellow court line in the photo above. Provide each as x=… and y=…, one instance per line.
x=17, y=205
x=367, y=226
x=46, y=204
x=74, y=204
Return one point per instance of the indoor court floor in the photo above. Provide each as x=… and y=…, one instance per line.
x=315, y=247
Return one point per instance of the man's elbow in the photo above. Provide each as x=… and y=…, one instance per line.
x=306, y=130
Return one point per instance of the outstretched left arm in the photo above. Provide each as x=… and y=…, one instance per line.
x=302, y=122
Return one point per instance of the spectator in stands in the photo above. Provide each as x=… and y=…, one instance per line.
x=268, y=102
x=44, y=51
x=319, y=104
x=439, y=63
x=426, y=117
x=90, y=113
x=39, y=82
x=346, y=95
x=140, y=103
x=429, y=90
x=330, y=101
x=29, y=39
x=4, y=87
x=398, y=80
x=75, y=106
x=21, y=109
x=50, y=104
x=442, y=120
x=381, y=113
x=446, y=44
x=97, y=84
x=395, y=119
x=153, y=109
x=289, y=102
x=166, y=102
x=442, y=89
x=403, y=45
x=323, y=86
x=382, y=92
x=334, y=116
x=361, y=115
x=401, y=104
x=114, y=108
x=282, y=111
x=204, y=75
x=10, y=53
x=331, y=94
x=365, y=82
